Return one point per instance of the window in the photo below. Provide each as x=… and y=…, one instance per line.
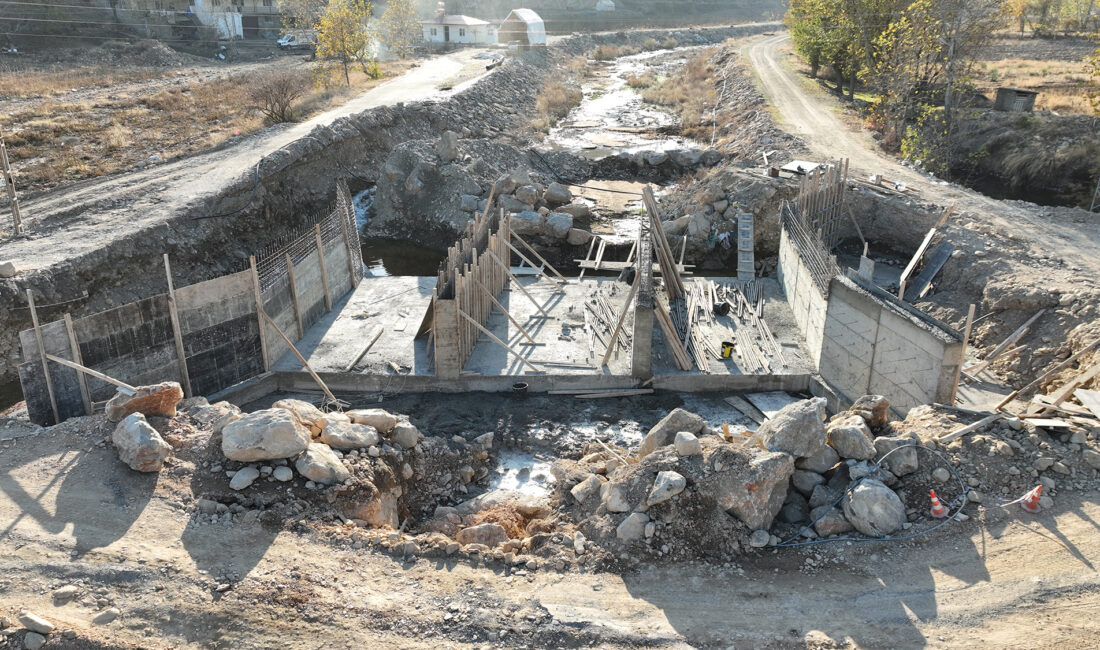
x=461, y=32
x=434, y=32
x=267, y=3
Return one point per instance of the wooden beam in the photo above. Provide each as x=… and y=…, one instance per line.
x=1015, y=336
x=324, y=268
x=505, y=268
x=496, y=340
x=499, y=306
x=123, y=387
x=9, y=182
x=177, y=334
x=259, y=308
x=540, y=258
x=966, y=340
x=42, y=351
x=366, y=348
x=586, y=256
x=305, y=363
x=1090, y=399
x=530, y=263
x=962, y=431
x=293, y=295
x=913, y=262
x=1046, y=375
x=619, y=324
x=621, y=393
x=74, y=347
x=1072, y=385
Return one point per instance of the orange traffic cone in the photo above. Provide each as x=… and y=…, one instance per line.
x=938, y=511
x=1031, y=501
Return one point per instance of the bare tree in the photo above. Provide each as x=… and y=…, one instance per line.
x=273, y=94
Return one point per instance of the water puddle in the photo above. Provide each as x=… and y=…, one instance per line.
x=522, y=472
x=612, y=118
x=387, y=257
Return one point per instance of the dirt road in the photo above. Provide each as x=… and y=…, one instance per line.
x=70, y=513
x=90, y=213
x=810, y=113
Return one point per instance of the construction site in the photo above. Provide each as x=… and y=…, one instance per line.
x=433, y=368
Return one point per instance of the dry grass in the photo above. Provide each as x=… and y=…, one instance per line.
x=1060, y=83
x=609, y=52
x=690, y=93
x=554, y=102
x=16, y=82
x=642, y=81
x=55, y=142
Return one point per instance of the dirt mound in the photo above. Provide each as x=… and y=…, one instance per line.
x=146, y=52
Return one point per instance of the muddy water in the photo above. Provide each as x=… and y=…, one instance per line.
x=612, y=118
x=386, y=257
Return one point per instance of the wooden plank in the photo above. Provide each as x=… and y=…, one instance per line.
x=123, y=387
x=939, y=256
x=1046, y=375
x=914, y=261
x=970, y=428
x=504, y=267
x=619, y=324
x=324, y=268
x=305, y=363
x=259, y=307
x=496, y=340
x=1090, y=399
x=1049, y=423
x=540, y=258
x=74, y=347
x=366, y=348
x=1071, y=385
x=587, y=255
x=997, y=351
x=177, y=333
x=42, y=352
x=745, y=407
x=966, y=341
x=294, y=295
x=621, y=393
x=523, y=257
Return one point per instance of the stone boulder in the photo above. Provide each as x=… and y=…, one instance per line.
x=687, y=444
x=851, y=438
x=753, y=487
x=447, y=147
x=307, y=414
x=613, y=498
x=805, y=481
x=798, y=429
x=244, y=478
x=902, y=460
x=586, y=489
x=663, y=432
x=157, y=399
x=877, y=405
x=269, y=434
x=383, y=421
x=667, y=485
x=139, y=445
x=526, y=222
x=527, y=194
x=320, y=465
x=488, y=534
x=820, y=462
x=468, y=203
x=405, y=435
x=575, y=210
x=557, y=194
x=345, y=435
x=874, y=509
x=832, y=521
x=577, y=237
x=557, y=225
x=633, y=527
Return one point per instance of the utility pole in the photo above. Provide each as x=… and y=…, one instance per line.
x=10, y=183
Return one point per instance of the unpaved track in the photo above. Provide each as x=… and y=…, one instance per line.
x=70, y=511
x=809, y=113
x=124, y=204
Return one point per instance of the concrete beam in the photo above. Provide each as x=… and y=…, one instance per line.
x=641, y=357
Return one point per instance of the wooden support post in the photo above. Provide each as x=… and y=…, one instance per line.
x=42, y=352
x=305, y=363
x=962, y=431
x=177, y=334
x=74, y=347
x=619, y=324
x=511, y=277
x=294, y=294
x=966, y=340
x=913, y=262
x=123, y=387
x=532, y=264
x=324, y=268
x=497, y=340
x=540, y=258
x=259, y=308
x=586, y=257
x=501, y=308
x=1017, y=335
x=9, y=182
x=366, y=348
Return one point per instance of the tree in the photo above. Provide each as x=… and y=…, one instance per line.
x=400, y=29
x=273, y=93
x=301, y=14
x=342, y=33
x=1092, y=65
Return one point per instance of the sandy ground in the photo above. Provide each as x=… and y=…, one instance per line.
x=809, y=113
x=70, y=513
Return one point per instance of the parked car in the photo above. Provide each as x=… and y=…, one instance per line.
x=298, y=39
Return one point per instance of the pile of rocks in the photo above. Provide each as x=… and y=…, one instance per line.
x=138, y=443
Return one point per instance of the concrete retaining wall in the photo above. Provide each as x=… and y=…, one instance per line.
x=806, y=302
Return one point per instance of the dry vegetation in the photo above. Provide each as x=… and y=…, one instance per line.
x=1061, y=84
x=690, y=93
x=56, y=141
x=16, y=83
x=560, y=96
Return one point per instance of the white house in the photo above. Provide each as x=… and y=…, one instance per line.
x=226, y=23
x=458, y=29
x=605, y=5
x=523, y=26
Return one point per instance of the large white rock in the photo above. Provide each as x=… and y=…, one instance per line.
x=526, y=223
x=380, y=419
x=345, y=435
x=586, y=488
x=851, y=438
x=902, y=459
x=666, y=486
x=663, y=432
x=874, y=509
x=309, y=415
x=557, y=194
x=320, y=465
x=797, y=429
x=687, y=444
x=633, y=527
x=557, y=225
x=244, y=477
x=406, y=435
x=139, y=445
x=613, y=497
x=269, y=434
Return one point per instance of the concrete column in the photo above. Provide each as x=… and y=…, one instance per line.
x=447, y=363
